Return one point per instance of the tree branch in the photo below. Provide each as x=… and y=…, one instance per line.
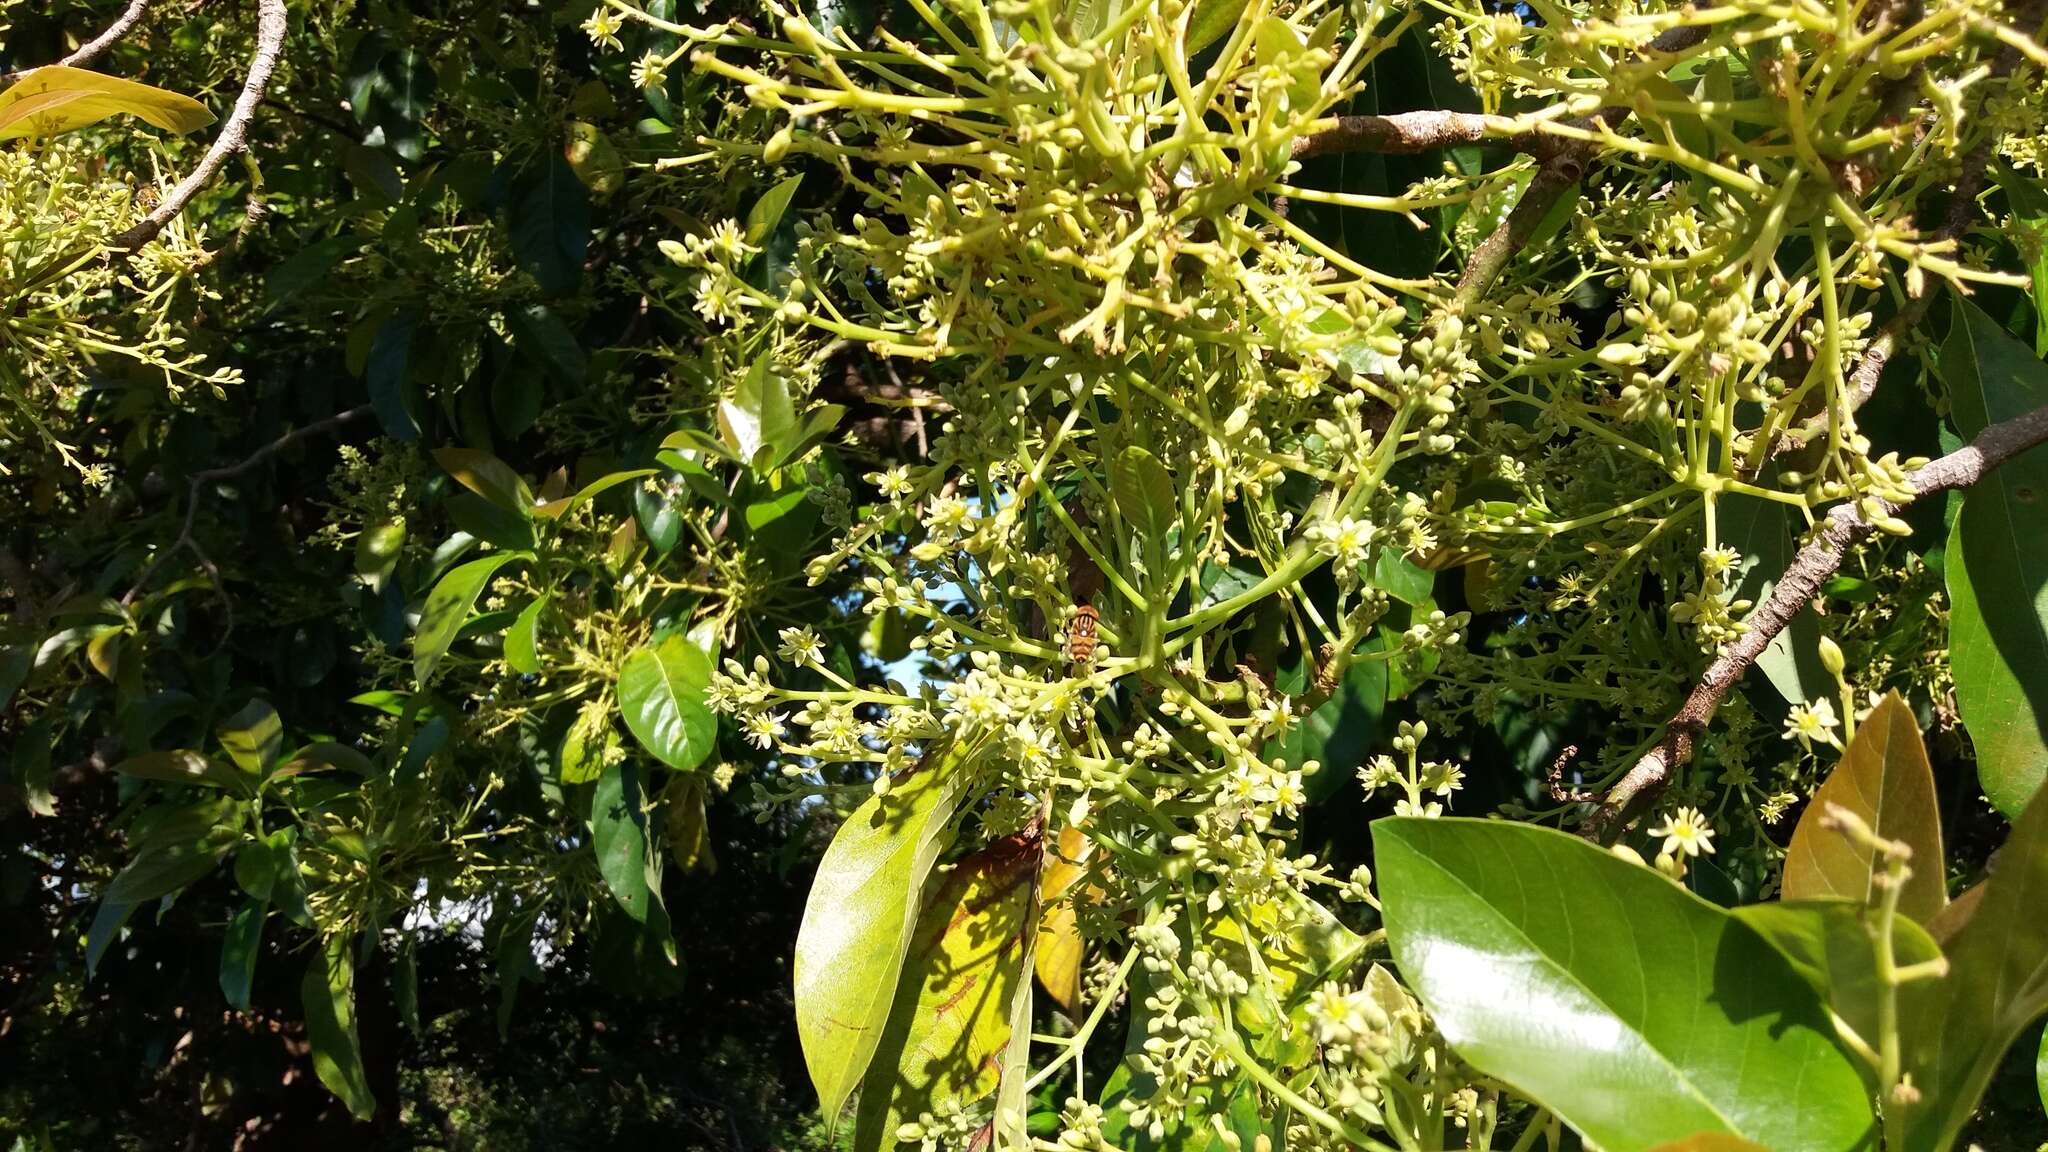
x=92, y=49
x=200, y=480
x=1816, y=561
x=271, y=24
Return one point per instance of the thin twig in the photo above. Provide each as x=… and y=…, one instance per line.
x=1816, y=561
x=92, y=49
x=200, y=480
x=1405, y=133
x=271, y=24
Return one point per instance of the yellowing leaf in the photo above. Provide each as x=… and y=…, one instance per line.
x=859, y=919
x=1059, y=953
x=1884, y=779
x=59, y=99
x=951, y=1021
x=689, y=829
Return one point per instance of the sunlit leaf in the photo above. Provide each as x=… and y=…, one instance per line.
x=329, y=995
x=253, y=737
x=859, y=918
x=951, y=1018
x=1883, y=778
x=1060, y=951
x=1957, y=1029
x=59, y=98
x=1998, y=564
x=522, y=650
x=767, y=211
x=1830, y=945
x=448, y=607
x=488, y=477
x=1637, y=1012
x=183, y=767
x=618, y=836
x=661, y=695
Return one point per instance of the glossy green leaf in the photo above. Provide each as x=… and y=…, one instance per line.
x=183, y=767
x=239, y=947
x=950, y=1025
x=555, y=508
x=584, y=755
x=1830, y=945
x=448, y=607
x=328, y=992
x=253, y=737
x=1212, y=21
x=1402, y=578
x=661, y=695
x=1637, y=1012
x=859, y=918
x=756, y=421
x=1998, y=565
x=1957, y=1029
x=59, y=98
x=618, y=835
x=767, y=211
x=522, y=649
x=550, y=219
x=1883, y=778
x=488, y=477
x=1144, y=493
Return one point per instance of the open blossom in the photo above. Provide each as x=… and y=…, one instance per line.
x=1686, y=831
x=1807, y=723
x=603, y=29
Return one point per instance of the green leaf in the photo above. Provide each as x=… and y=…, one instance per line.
x=488, y=477
x=253, y=737
x=183, y=767
x=1998, y=565
x=859, y=918
x=1761, y=530
x=556, y=508
x=405, y=986
x=448, y=606
x=239, y=947
x=329, y=995
x=1831, y=947
x=541, y=334
x=306, y=268
x=1956, y=1029
x=1212, y=21
x=58, y=98
x=522, y=650
x=1883, y=778
x=1637, y=1012
x=618, y=835
x=385, y=375
x=767, y=211
x=106, y=928
x=661, y=695
x=550, y=219
x=1402, y=578
x=1144, y=493
x=582, y=758
x=757, y=420
x=950, y=1025
x=163, y=869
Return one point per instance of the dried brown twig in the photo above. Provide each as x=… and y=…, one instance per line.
x=1816, y=561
